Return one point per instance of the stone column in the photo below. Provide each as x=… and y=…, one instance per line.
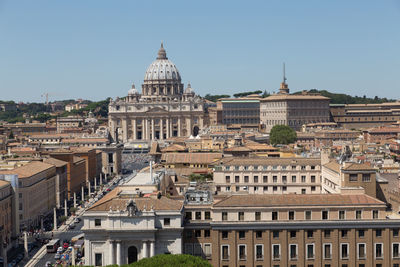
x=74, y=199
x=89, y=189
x=101, y=179
x=153, y=137
x=168, y=128
x=26, y=252
x=151, y=248
x=124, y=130
x=144, y=249
x=161, y=129
x=118, y=256
x=147, y=128
x=65, y=208
x=54, y=219
x=111, y=258
x=134, y=129
x=83, y=194
x=179, y=126
x=95, y=184
x=189, y=126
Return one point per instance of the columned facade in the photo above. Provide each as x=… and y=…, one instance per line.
x=164, y=109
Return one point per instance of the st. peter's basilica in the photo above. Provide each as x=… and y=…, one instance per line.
x=164, y=109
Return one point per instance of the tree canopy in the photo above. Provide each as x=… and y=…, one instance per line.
x=282, y=134
x=171, y=260
x=214, y=98
x=247, y=93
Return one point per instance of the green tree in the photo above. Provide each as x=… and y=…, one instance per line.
x=282, y=134
x=11, y=135
x=171, y=260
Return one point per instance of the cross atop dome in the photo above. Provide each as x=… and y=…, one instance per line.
x=161, y=52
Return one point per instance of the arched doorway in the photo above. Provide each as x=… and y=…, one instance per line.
x=132, y=254
x=195, y=131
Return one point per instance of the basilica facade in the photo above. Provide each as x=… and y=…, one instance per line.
x=163, y=110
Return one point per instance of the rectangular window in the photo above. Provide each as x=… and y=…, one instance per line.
x=308, y=214
x=291, y=215
x=395, y=232
x=276, y=251
x=361, y=251
x=303, y=178
x=224, y=234
x=274, y=179
x=265, y=179
x=167, y=222
x=312, y=178
x=353, y=177
x=275, y=234
x=188, y=215
x=258, y=216
x=361, y=233
x=242, y=252
x=255, y=179
x=225, y=252
x=327, y=251
x=293, y=252
x=236, y=179
x=207, y=215
x=375, y=214
x=342, y=215
x=97, y=222
x=344, y=251
x=197, y=233
x=310, y=233
x=242, y=234
x=265, y=188
x=358, y=214
x=98, y=259
x=274, y=215
x=293, y=234
x=207, y=233
x=395, y=250
x=227, y=179
x=344, y=233
x=207, y=250
x=366, y=177
x=224, y=216
x=327, y=233
x=198, y=215
x=324, y=215
x=241, y=216
x=284, y=179
x=378, y=251
x=246, y=179
x=378, y=232
x=258, y=234
x=259, y=252
x=293, y=179
x=310, y=251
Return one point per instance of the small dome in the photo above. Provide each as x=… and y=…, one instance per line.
x=133, y=90
x=162, y=68
x=189, y=89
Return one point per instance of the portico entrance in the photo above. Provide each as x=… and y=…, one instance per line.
x=132, y=254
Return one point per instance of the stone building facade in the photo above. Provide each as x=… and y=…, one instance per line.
x=164, y=109
x=293, y=110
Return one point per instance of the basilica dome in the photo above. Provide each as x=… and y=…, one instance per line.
x=162, y=69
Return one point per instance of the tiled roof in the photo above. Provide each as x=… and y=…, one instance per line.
x=333, y=165
x=294, y=97
x=271, y=161
x=190, y=157
x=29, y=169
x=4, y=183
x=55, y=162
x=297, y=200
x=358, y=167
x=115, y=202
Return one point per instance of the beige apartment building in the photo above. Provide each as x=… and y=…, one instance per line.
x=293, y=230
x=36, y=191
x=6, y=218
x=268, y=176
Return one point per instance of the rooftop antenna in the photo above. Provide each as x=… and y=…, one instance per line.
x=284, y=73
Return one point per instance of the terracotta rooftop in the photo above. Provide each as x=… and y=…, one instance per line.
x=333, y=165
x=294, y=97
x=271, y=161
x=4, y=183
x=115, y=202
x=29, y=169
x=190, y=157
x=358, y=167
x=255, y=200
x=55, y=162
x=173, y=148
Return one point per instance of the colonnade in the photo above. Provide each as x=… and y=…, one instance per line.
x=148, y=250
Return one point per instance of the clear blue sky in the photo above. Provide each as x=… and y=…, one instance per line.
x=95, y=49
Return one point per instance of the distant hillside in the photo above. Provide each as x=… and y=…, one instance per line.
x=348, y=99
